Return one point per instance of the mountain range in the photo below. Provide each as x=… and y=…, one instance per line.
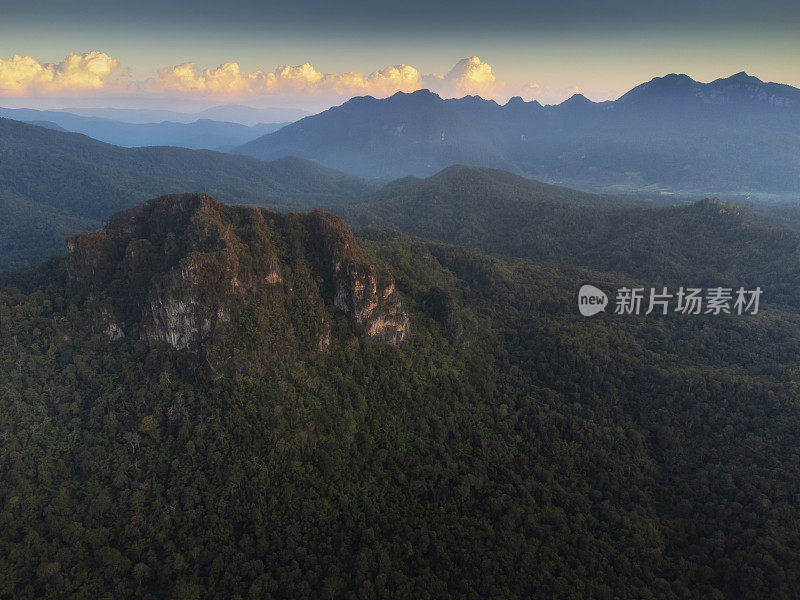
x=738, y=135
x=199, y=134
x=232, y=113
x=54, y=184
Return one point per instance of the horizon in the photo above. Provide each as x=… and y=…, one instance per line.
x=154, y=105
x=313, y=55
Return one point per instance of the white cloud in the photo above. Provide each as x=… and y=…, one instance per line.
x=399, y=78
x=229, y=80
x=226, y=79
x=26, y=76
x=470, y=76
x=23, y=75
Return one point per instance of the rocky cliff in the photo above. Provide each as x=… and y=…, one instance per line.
x=182, y=270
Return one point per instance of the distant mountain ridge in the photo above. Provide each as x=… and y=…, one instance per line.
x=235, y=113
x=740, y=87
x=203, y=133
x=733, y=135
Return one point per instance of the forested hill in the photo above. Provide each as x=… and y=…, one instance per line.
x=465, y=186
x=709, y=242
x=53, y=184
x=506, y=447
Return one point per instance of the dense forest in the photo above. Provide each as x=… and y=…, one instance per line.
x=707, y=242
x=54, y=183
x=507, y=448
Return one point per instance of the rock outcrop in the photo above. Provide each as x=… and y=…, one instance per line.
x=358, y=289
x=179, y=270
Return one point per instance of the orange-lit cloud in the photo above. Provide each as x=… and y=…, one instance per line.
x=229, y=81
x=24, y=75
x=470, y=76
x=399, y=78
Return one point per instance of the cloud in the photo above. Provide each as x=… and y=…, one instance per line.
x=229, y=80
x=399, y=78
x=470, y=76
x=27, y=76
x=23, y=75
x=226, y=79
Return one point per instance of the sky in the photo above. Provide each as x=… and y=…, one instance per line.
x=312, y=54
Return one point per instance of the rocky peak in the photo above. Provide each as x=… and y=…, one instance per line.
x=181, y=269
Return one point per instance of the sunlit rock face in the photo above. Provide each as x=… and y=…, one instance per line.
x=179, y=270
x=360, y=290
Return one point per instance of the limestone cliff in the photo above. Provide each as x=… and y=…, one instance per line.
x=181, y=270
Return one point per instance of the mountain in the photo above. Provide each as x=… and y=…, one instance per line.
x=53, y=182
x=180, y=270
x=199, y=134
x=235, y=113
x=736, y=135
x=709, y=242
x=740, y=89
x=192, y=405
x=407, y=134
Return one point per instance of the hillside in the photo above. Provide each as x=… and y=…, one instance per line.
x=487, y=208
x=737, y=135
x=708, y=242
x=506, y=447
x=53, y=179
